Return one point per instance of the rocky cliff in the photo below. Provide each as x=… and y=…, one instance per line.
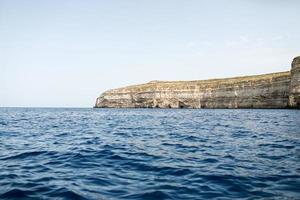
x=294, y=90
x=276, y=90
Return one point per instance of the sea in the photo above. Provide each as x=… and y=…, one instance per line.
x=86, y=153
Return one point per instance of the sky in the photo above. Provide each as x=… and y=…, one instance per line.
x=65, y=53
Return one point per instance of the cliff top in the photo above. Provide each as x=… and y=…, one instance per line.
x=232, y=79
x=296, y=60
x=211, y=82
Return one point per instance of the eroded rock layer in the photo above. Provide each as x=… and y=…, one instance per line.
x=276, y=90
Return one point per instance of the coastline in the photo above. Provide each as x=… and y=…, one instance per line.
x=279, y=90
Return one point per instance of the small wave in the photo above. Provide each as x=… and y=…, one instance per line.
x=65, y=193
x=150, y=195
x=14, y=194
x=3, y=123
x=159, y=169
x=277, y=146
x=210, y=160
x=25, y=155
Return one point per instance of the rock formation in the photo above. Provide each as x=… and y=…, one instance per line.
x=294, y=91
x=276, y=90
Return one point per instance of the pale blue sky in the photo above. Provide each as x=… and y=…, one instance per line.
x=66, y=52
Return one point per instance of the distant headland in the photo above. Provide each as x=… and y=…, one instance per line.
x=276, y=90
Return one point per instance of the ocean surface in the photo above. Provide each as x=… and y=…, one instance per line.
x=56, y=153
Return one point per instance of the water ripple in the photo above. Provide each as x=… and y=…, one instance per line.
x=149, y=154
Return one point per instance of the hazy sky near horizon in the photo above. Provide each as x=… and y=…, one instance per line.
x=65, y=53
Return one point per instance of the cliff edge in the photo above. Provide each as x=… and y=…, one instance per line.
x=276, y=90
x=294, y=90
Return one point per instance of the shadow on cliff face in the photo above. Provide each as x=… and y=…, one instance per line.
x=182, y=105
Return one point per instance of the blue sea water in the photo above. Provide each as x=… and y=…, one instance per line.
x=48, y=153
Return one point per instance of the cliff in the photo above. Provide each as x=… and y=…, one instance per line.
x=276, y=90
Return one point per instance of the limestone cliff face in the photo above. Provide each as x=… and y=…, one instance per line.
x=277, y=90
x=294, y=92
